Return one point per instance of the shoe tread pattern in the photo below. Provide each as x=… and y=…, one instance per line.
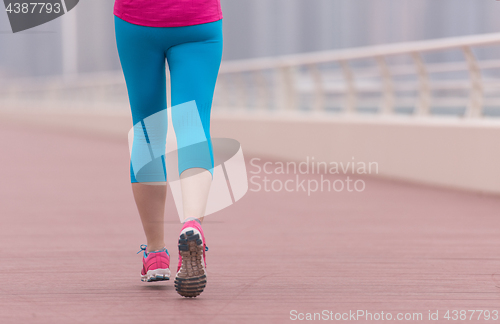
x=191, y=279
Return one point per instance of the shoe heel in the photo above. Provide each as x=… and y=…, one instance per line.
x=191, y=279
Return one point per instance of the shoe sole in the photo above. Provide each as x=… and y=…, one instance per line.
x=156, y=275
x=191, y=278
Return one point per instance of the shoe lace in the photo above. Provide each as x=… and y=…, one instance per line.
x=143, y=248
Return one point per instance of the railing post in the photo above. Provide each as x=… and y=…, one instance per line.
x=285, y=88
x=319, y=93
x=475, y=105
x=243, y=97
x=387, y=86
x=263, y=90
x=424, y=92
x=351, y=95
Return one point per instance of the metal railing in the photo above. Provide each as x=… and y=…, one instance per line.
x=405, y=78
x=336, y=81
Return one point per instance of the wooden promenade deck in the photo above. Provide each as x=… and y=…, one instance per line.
x=69, y=233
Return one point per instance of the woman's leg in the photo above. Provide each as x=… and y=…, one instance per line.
x=194, y=66
x=150, y=201
x=143, y=63
x=195, y=186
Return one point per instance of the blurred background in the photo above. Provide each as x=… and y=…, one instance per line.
x=430, y=66
x=255, y=28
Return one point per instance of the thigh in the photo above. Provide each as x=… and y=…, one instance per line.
x=194, y=64
x=143, y=63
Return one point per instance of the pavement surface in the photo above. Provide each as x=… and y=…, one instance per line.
x=69, y=233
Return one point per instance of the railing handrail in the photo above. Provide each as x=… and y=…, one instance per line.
x=359, y=53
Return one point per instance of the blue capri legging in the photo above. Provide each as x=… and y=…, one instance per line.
x=193, y=54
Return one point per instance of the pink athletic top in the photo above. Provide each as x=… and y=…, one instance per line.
x=168, y=13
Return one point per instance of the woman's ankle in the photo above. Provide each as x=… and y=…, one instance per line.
x=155, y=247
x=195, y=219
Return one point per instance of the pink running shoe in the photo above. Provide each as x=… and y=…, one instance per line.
x=191, y=277
x=155, y=265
